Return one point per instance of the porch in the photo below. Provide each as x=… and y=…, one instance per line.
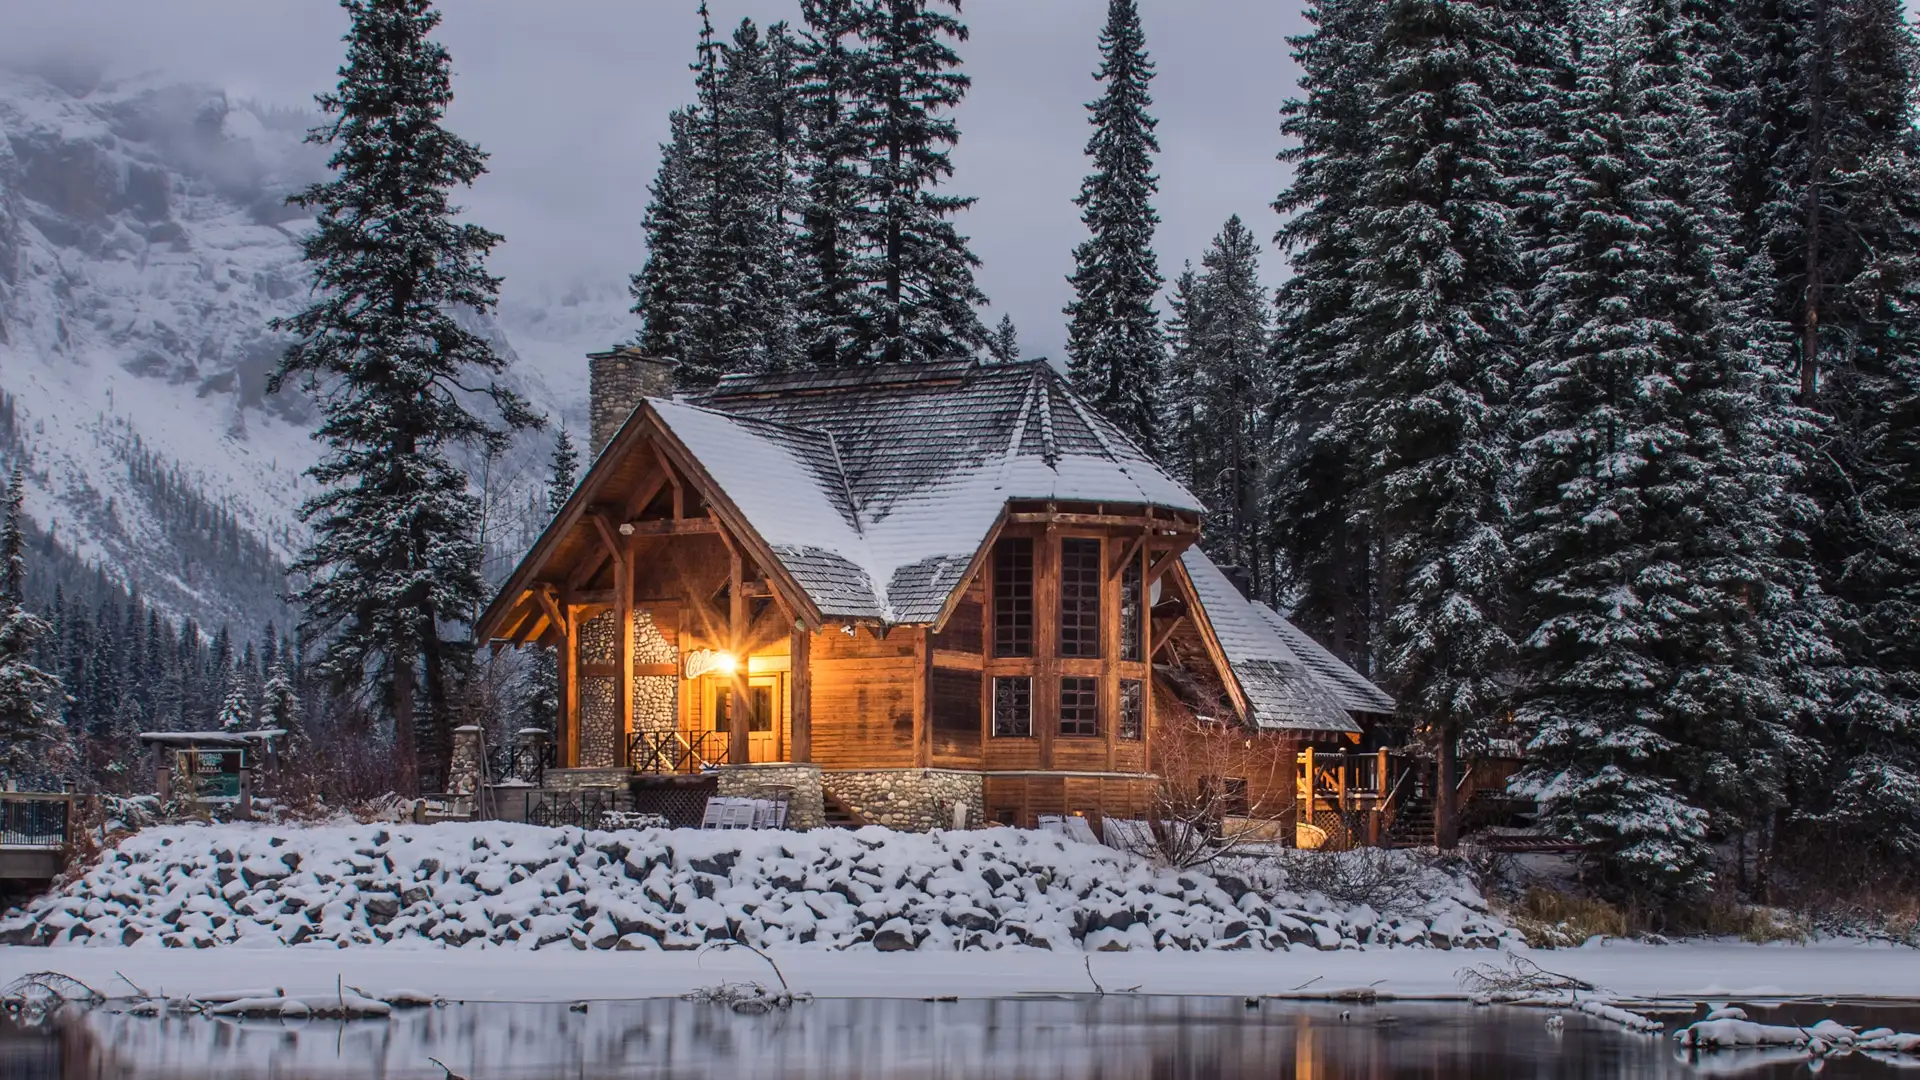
x=1382, y=798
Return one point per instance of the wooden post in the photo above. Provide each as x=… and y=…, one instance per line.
x=1444, y=810
x=922, y=697
x=1046, y=642
x=567, y=729
x=801, y=686
x=738, y=750
x=623, y=611
x=1307, y=755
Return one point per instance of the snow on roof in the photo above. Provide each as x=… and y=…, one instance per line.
x=876, y=488
x=1290, y=682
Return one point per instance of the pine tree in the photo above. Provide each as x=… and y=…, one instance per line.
x=1183, y=442
x=665, y=288
x=1434, y=305
x=828, y=77
x=394, y=558
x=1827, y=180
x=563, y=470
x=1226, y=330
x=280, y=708
x=28, y=694
x=1114, y=344
x=1004, y=346
x=914, y=296
x=1325, y=550
x=540, y=689
x=236, y=705
x=1603, y=478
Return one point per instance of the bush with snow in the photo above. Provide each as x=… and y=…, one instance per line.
x=517, y=886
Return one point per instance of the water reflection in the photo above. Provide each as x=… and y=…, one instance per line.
x=1112, y=1038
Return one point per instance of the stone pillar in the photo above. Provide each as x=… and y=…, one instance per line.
x=617, y=380
x=533, y=748
x=468, y=770
x=162, y=772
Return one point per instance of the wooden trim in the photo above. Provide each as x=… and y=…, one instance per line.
x=1055, y=519
x=566, y=725
x=666, y=469
x=1128, y=554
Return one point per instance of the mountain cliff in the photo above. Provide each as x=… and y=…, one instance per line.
x=145, y=247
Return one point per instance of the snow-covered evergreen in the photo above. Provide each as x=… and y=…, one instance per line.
x=1326, y=556
x=1223, y=384
x=394, y=559
x=29, y=696
x=1115, y=347
x=1435, y=304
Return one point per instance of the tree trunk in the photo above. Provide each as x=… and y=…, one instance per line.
x=1816, y=167
x=436, y=748
x=1445, y=813
x=405, y=758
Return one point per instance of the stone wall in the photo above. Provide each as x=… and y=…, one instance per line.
x=913, y=800
x=806, y=809
x=617, y=381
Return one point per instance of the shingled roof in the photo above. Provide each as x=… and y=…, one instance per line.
x=1290, y=682
x=876, y=487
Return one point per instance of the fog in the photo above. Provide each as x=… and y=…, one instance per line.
x=570, y=97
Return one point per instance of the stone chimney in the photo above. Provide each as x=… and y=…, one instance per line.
x=616, y=381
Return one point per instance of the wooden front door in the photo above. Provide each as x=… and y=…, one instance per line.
x=766, y=724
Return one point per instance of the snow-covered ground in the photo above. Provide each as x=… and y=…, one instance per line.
x=497, y=912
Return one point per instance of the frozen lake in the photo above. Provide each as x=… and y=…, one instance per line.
x=1117, y=1037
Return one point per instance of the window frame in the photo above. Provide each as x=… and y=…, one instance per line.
x=1080, y=623
x=993, y=717
x=1088, y=697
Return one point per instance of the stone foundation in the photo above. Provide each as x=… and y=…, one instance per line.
x=806, y=809
x=912, y=800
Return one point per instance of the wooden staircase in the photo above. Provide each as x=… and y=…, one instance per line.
x=1413, y=824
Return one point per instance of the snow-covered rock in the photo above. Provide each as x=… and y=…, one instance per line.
x=517, y=886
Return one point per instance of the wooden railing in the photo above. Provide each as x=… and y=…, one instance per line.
x=686, y=752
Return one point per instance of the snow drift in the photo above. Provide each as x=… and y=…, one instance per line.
x=496, y=885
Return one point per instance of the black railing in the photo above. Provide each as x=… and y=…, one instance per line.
x=683, y=752
x=520, y=764
x=587, y=809
x=34, y=819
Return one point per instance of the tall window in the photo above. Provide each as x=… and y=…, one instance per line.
x=1133, y=713
x=1079, y=597
x=1013, y=597
x=1130, y=646
x=1012, y=707
x=1079, y=706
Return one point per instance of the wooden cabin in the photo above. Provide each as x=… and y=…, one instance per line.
x=921, y=596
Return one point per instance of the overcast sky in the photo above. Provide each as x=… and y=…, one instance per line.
x=571, y=98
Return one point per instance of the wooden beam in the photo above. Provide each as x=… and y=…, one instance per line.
x=765, y=630
x=551, y=606
x=1163, y=560
x=737, y=717
x=1128, y=553
x=678, y=527
x=964, y=661
x=644, y=495
x=666, y=468
x=588, y=569
x=1161, y=637
x=800, y=685
x=604, y=530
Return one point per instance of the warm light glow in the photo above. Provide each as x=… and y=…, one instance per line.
x=711, y=662
x=725, y=663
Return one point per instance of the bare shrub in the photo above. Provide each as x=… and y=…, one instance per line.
x=1224, y=791
x=1550, y=919
x=1387, y=881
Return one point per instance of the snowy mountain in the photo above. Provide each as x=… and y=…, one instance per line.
x=145, y=246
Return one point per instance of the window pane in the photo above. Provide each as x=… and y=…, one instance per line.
x=1079, y=706
x=1012, y=707
x=1079, y=597
x=1013, y=597
x=761, y=700
x=1130, y=646
x=1132, y=710
x=722, y=707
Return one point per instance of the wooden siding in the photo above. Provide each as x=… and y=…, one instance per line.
x=864, y=689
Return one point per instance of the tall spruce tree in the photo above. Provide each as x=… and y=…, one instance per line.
x=1004, y=346
x=1183, y=442
x=1226, y=353
x=1325, y=550
x=827, y=79
x=914, y=297
x=29, y=695
x=1604, y=477
x=1115, y=347
x=1435, y=307
x=664, y=289
x=393, y=562
x=1827, y=180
